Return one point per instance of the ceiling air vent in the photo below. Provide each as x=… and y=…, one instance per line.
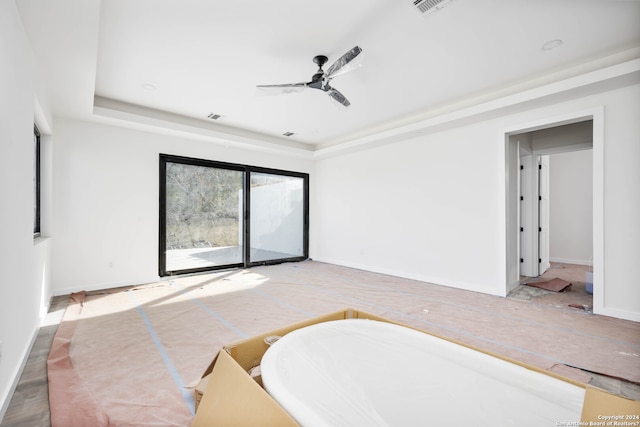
x=213, y=116
x=429, y=6
x=288, y=134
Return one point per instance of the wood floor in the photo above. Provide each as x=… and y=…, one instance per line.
x=29, y=405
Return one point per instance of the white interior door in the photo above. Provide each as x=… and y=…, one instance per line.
x=543, y=214
x=528, y=216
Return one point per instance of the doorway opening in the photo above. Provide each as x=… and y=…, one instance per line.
x=537, y=224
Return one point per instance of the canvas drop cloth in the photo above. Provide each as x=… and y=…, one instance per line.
x=128, y=357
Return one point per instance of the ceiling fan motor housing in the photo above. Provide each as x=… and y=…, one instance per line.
x=320, y=60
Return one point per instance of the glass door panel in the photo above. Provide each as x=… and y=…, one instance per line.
x=203, y=217
x=217, y=215
x=277, y=217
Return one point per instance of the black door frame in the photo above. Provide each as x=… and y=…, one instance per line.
x=246, y=208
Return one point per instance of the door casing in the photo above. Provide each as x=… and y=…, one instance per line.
x=512, y=210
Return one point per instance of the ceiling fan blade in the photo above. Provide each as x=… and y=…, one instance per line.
x=338, y=97
x=280, y=89
x=347, y=62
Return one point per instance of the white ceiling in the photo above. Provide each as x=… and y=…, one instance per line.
x=207, y=56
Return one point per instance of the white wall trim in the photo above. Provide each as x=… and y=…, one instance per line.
x=122, y=113
x=106, y=285
x=571, y=261
x=598, y=215
x=616, y=312
x=452, y=115
x=25, y=357
x=17, y=374
x=597, y=115
x=418, y=277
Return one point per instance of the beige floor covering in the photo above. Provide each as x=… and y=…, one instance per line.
x=136, y=351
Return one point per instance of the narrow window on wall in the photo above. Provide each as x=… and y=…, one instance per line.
x=36, y=182
x=216, y=215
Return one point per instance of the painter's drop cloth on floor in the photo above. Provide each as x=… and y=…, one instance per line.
x=135, y=352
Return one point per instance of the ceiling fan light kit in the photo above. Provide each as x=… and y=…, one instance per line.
x=321, y=79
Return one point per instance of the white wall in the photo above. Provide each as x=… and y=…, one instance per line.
x=571, y=207
x=25, y=287
x=432, y=207
x=622, y=203
x=428, y=208
x=106, y=200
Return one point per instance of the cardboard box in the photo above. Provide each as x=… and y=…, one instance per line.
x=229, y=395
x=200, y=389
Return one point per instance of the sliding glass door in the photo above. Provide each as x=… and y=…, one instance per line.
x=202, y=216
x=217, y=215
x=277, y=217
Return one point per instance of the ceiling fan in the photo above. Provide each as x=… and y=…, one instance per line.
x=321, y=79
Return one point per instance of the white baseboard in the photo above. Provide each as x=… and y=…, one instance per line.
x=18, y=373
x=619, y=314
x=101, y=286
x=16, y=379
x=570, y=261
x=512, y=286
x=418, y=277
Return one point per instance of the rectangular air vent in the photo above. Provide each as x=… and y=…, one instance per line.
x=214, y=116
x=429, y=6
x=288, y=134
